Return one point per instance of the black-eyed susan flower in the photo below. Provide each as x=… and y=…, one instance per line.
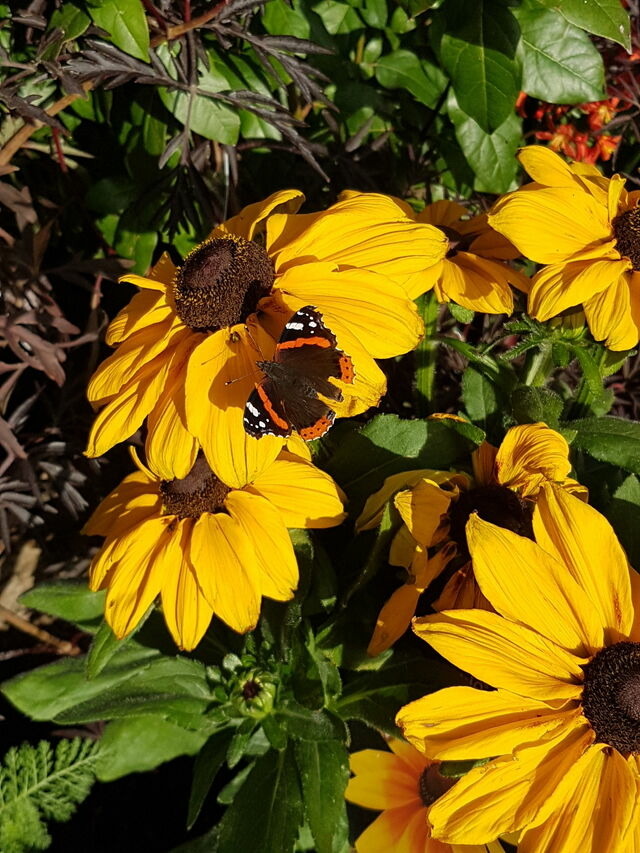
x=585, y=228
x=403, y=785
x=562, y=727
x=205, y=548
x=435, y=509
x=188, y=343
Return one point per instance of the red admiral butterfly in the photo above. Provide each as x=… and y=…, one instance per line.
x=287, y=398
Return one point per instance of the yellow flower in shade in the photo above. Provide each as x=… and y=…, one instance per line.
x=585, y=228
x=435, y=509
x=562, y=727
x=188, y=343
x=403, y=785
x=206, y=549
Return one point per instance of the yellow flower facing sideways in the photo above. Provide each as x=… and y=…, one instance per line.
x=562, y=727
x=206, y=549
x=585, y=228
x=188, y=343
x=435, y=508
x=403, y=785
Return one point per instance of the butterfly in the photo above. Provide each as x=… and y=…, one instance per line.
x=306, y=356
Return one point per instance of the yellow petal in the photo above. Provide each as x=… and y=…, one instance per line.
x=221, y=374
x=223, y=559
x=371, y=515
x=401, y=830
x=584, y=541
x=459, y=722
x=529, y=455
x=304, y=495
x=530, y=587
x=502, y=654
x=274, y=568
x=367, y=231
x=422, y=508
x=610, y=317
x=140, y=566
x=131, y=502
x=508, y=793
x=252, y=220
x=476, y=283
x=443, y=212
x=598, y=810
x=381, y=781
x=403, y=548
x=185, y=609
x=462, y=592
x=546, y=167
x=147, y=308
x=561, y=286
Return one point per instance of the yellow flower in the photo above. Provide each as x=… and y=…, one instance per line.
x=403, y=785
x=188, y=343
x=435, y=509
x=585, y=228
x=562, y=726
x=205, y=548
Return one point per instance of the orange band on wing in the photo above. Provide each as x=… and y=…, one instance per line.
x=302, y=342
x=271, y=411
x=346, y=369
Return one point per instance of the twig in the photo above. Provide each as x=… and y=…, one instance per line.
x=61, y=646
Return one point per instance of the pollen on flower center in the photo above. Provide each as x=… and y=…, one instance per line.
x=496, y=504
x=200, y=491
x=626, y=228
x=221, y=281
x=432, y=784
x=611, y=696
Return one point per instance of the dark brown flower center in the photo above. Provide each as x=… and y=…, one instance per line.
x=200, y=491
x=496, y=504
x=432, y=784
x=626, y=229
x=250, y=689
x=220, y=283
x=611, y=696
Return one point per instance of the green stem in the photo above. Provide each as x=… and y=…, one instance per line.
x=426, y=356
x=538, y=366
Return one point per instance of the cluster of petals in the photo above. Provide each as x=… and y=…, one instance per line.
x=425, y=544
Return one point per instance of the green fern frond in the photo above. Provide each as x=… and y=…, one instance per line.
x=37, y=783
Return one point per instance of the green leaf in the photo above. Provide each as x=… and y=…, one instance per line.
x=240, y=741
x=374, y=13
x=477, y=48
x=266, y=813
x=606, y=18
x=338, y=18
x=304, y=724
x=481, y=399
x=281, y=18
x=105, y=644
x=137, y=245
x=71, y=20
x=403, y=70
x=461, y=314
x=608, y=439
x=530, y=405
x=324, y=773
x=491, y=156
x=126, y=23
x=209, y=761
x=623, y=512
x=71, y=601
x=560, y=63
x=138, y=744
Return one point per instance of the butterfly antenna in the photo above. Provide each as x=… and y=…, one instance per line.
x=257, y=346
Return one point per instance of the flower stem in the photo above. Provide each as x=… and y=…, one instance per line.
x=426, y=356
x=538, y=367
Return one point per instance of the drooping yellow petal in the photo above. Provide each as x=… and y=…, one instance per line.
x=610, y=317
x=367, y=231
x=529, y=455
x=507, y=793
x=555, y=605
x=147, y=308
x=373, y=307
x=462, y=592
x=224, y=562
x=584, y=541
x=304, y=495
x=476, y=283
x=145, y=282
x=131, y=502
x=503, y=654
x=483, y=460
x=460, y=722
x=252, y=220
x=221, y=374
x=422, y=508
x=371, y=515
x=547, y=168
x=403, y=548
x=598, y=808
x=184, y=607
x=274, y=568
x=381, y=781
x=561, y=286
x=401, y=830
x=443, y=212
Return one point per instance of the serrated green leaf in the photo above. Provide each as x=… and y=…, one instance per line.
x=530, y=405
x=324, y=773
x=461, y=314
x=477, y=49
x=403, y=70
x=126, y=23
x=608, y=439
x=606, y=18
x=560, y=63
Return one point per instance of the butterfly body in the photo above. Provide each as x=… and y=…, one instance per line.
x=289, y=397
